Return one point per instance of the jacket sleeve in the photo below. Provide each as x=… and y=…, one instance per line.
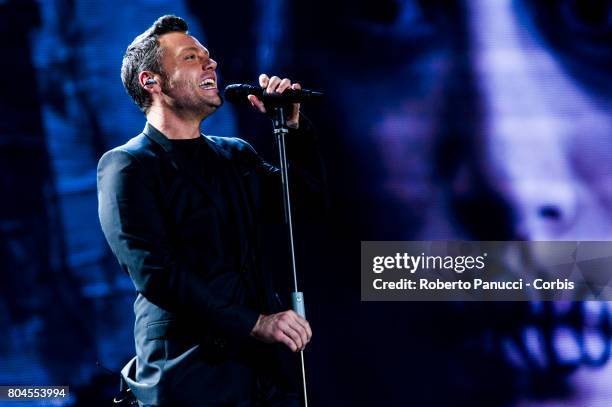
x=132, y=222
x=307, y=180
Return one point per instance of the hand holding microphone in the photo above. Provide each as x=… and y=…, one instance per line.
x=273, y=91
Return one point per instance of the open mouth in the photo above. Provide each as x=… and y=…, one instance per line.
x=208, y=83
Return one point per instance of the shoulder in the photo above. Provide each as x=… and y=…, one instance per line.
x=232, y=145
x=135, y=151
x=130, y=161
x=234, y=148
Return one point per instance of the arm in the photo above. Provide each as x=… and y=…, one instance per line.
x=307, y=188
x=133, y=224
x=306, y=176
x=306, y=169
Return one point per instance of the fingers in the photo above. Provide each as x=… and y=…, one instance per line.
x=294, y=118
x=285, y=327
x=300, y=326
x=287, y=340
x=297, y=338
x=284, y=84
x=275, y=84
x=263, y=80
x=303, y=324
x=256, y=103
x=296, y=328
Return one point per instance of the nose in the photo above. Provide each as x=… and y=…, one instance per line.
x=210, y=64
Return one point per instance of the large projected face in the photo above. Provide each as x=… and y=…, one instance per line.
x=492, y=121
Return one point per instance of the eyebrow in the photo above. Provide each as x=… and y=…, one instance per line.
x=193, y=48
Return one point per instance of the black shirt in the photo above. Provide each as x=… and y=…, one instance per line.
x=223, y=176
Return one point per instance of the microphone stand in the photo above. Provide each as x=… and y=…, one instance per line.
x=297, y=297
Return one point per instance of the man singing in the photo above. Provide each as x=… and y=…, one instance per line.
x=182, y=212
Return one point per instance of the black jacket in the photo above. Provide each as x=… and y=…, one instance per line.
x=189, y=239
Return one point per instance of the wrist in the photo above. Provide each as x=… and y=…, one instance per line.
x=255, y=328
x=293, y=121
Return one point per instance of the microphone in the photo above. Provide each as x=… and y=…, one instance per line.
x=237, y=93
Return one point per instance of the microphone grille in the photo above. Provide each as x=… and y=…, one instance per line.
x=237, y=93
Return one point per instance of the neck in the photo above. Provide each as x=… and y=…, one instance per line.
x=172, y=125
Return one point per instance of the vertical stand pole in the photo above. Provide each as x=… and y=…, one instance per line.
x=297, y=297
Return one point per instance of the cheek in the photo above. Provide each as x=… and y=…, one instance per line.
x=179, y=83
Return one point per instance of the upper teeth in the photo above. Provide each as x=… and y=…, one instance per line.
x=207, y=82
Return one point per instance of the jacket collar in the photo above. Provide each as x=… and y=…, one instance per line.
x=159, y=137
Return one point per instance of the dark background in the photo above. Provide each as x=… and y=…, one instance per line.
x=414, y=131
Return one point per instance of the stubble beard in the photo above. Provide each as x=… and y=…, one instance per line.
x=187, y=99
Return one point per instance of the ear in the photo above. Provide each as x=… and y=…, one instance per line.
x=147, y=80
